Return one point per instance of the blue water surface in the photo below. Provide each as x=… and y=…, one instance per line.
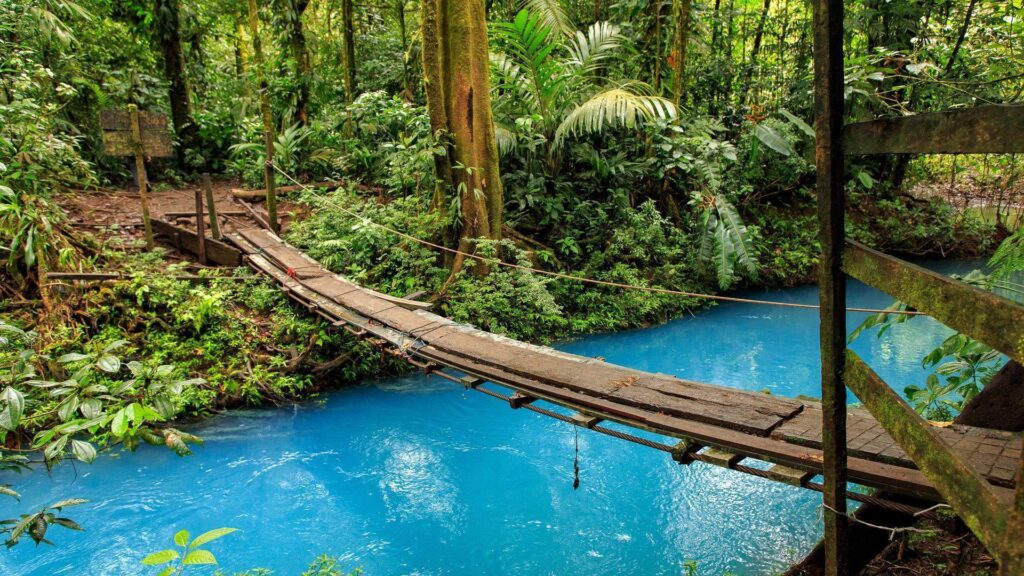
x=415, y=475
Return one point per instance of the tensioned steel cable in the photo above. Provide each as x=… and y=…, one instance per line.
x=585, y=280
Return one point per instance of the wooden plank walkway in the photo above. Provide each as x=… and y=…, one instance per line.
x=783, y=431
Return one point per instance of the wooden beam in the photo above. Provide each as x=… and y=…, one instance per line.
x=970, y=495
x=140, y=172
x=200, y=227
x=684, y=450
x=518, y=400
x=788, y=475
x=992, y=129
x=720, y=457
x=980, y=314
x=829, y=90
x=211, y=206
x=216, y=251
x=585, y=420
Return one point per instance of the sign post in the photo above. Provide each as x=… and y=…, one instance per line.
x=138, y=134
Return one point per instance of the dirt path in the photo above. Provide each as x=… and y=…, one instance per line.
x=118, y=213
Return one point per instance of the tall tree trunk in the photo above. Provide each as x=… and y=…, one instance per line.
x=458, y=99
x=748, y=74
x=167, y=23
x=268, y=121
x=716, y=79
x=300, y=52
x=406, y=81
x=348, y=34
x=239, y=47
x=682, y=10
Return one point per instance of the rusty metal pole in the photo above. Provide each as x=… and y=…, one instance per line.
x=200, y=227
x=828, y=115
x=211, y=207
x=140, y=171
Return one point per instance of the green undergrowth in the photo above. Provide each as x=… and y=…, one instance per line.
x=241, y=334
x=647, y=251
x=636, y=246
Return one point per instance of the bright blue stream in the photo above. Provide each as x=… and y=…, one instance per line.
x=415, y=475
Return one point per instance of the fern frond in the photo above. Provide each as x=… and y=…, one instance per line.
x=723, y=256
x=617, y=107
x=1009, y=257
x=742, y=245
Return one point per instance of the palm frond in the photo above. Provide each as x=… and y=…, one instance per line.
x=587, y=50
x=552, y=14
x=506, y=138
x=529, y=43
x=617, y=107
x=510, y=77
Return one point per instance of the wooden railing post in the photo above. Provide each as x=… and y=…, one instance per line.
x=200, y=227
x=828, y=113
x=211, y=207
x=140, y=172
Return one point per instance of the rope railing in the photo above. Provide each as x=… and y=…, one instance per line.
x=594, y=281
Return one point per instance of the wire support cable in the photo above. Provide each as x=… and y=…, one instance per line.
x=594, y=281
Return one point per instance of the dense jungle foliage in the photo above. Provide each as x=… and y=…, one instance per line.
x=654, y=144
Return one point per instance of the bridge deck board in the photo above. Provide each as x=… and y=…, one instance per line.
x=780, y=430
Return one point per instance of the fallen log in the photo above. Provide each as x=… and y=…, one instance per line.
x=244, y=194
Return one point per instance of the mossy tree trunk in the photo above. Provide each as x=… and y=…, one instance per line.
x=459, y=104
x=167, y=24
x=349, y=48
x=682, y=10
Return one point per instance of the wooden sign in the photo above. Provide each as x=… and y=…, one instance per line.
x=117, y=133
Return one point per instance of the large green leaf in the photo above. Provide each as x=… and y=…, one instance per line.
x=211, y=535
x=83, y=451
x=199, y=557
x=774, y=140
x=161, y=557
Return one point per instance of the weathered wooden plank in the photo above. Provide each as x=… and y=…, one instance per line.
x=698, y=434
x=120, y=120
x=899, y=480
x=964, y=488
x=216, y=251
x=750, y=412
x=867, y=439
x=290, y=260
x=991, y=129
x=154, y=144
x=985, y=316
